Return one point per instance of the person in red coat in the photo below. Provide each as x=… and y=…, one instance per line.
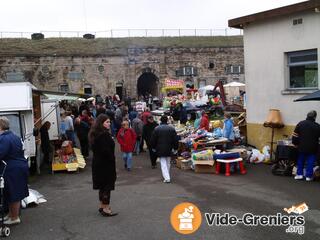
x=145, y=115
x=127, y=140
x=204, y=122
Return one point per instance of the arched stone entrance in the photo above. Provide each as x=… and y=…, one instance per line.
x=147, y=83
x=119, y=89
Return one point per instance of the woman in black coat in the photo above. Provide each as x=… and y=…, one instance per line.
x=103, y=163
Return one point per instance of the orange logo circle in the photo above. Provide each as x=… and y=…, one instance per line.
x=186, y=218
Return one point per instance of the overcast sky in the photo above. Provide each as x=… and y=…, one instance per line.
x=100, y=15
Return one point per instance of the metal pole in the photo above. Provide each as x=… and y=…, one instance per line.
x=162, y=33
x=111, y=33
x=271, y=147
x=179, y=33
x=146, y=32
x=211, y=32
x=128, y=32
x=195, y=32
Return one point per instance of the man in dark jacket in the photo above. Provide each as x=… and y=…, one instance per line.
x=100, y=109
x=45, y=142
x=82, y=125
x=306, y=138
x=146, y=135
x=164, y=139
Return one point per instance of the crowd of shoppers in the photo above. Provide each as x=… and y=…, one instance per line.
x=98, y=125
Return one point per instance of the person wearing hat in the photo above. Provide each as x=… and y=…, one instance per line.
x=164, y=139
x=306, y=138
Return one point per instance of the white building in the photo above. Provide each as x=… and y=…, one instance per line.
x=281, y=52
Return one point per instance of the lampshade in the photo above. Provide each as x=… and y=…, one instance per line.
x=274, y=119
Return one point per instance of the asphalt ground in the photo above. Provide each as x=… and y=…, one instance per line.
x=144, y=204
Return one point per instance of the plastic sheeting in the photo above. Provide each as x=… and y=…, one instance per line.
x=34, y=198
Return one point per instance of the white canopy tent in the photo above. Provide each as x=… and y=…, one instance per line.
x=233, y=89
x=208, y=87
x=234, y=84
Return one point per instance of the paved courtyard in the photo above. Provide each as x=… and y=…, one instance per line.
x=144, y=204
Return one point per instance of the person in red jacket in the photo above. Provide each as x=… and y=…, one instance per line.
x=127, y=140
x=204, y=122
x=144, y=118
x=145, y=115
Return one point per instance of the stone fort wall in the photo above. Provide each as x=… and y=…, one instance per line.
x=104, y=72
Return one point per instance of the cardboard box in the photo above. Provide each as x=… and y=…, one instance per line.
x=204, y=166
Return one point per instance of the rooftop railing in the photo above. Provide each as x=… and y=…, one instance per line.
x=125, y=33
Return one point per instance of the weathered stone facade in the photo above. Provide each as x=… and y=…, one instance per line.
x=105, y=72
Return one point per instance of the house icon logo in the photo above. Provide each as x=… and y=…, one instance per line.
x=186, y=218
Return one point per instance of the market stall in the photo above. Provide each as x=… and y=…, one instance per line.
x=173, y=86
x=198, y=147
x=67, y=158
x=205, y=151
x=233, y=90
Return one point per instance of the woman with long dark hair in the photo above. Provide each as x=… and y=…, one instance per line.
x=103, y=163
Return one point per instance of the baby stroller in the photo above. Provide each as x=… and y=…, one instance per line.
x=285, y=160
x=4, y=230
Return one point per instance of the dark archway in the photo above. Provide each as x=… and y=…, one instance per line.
x=147, y=83
x=119, y=89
